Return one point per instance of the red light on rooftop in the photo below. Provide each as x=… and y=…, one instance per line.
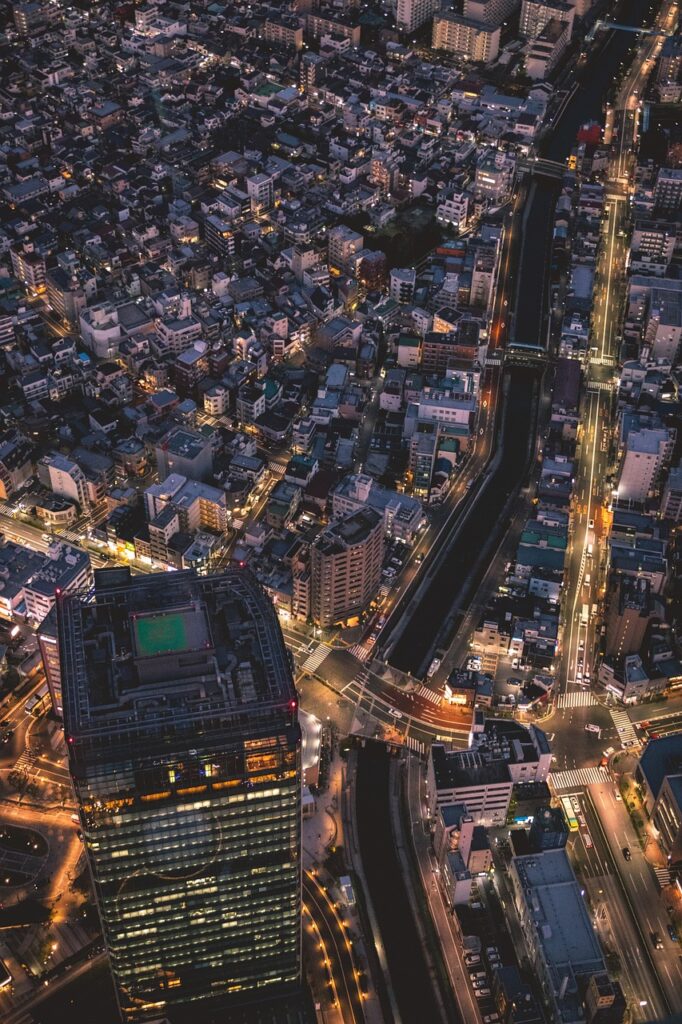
x=293, y=704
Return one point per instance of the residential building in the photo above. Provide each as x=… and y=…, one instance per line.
x=466, y=777
x=181, y=720
x=65, y=477
x=28, y=266
x=64, y=569
x=535, y=14
x=185, y=452
x=401, y=514
x=476, y=40
x=16, y=462
x=346, y=560
x=671, y=499
x=629, y=607
x=402, y=281
x=559, y=935
x=647, y=452
x=285, y=31
x=410, y=14
x=668, y=191
x=344, y=244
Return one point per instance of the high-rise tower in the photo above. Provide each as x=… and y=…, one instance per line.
x=184, y=748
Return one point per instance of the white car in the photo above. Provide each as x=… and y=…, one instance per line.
x=395, y=712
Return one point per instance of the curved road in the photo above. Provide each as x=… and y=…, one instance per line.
x=337, y=948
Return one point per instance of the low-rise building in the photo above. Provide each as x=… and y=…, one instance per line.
x=560, y=939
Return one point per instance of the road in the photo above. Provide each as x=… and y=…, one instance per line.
x=337, y=951
x=612, y=832
x=627, y=889
x=441, y=912
x=590, y=519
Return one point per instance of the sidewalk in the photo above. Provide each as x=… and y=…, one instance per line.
x=446, y=926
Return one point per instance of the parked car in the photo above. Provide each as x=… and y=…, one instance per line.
x=672, y=933
x=482, y=993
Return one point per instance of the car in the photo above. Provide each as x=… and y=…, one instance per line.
x=515, y=662
x=395, y=712
x=476, y=977
x=491, y=1018
x=513, y=681
x=626, y=853
x=656, y=940
x=482, y=993
x=588, y=840
x=590, y=524
x=617, y=795
x=603, y=762
x=476, y=905
x=479, y=981
x=674, y=937
x=472, y=959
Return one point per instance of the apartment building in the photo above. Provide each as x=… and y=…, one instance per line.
x=535, y=14
x=474, y=40
x=647, y=452
x=668, y=191
x=346, y=563
x=410, y=14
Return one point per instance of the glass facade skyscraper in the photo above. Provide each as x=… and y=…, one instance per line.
x=181, y=719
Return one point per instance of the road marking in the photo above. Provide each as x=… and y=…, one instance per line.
x=624, y=727
x=580, y=777
x=576, y=699
x=313, y=662
x=428, y=694
x=663, y=876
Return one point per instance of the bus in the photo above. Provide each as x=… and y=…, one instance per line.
x=569, y=814
x=38, y=703
x=585, y=615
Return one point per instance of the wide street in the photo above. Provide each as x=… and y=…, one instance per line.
x=627, y=890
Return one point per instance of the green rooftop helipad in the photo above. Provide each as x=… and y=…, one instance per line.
x=160, y=634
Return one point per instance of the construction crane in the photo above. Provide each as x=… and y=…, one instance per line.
x=600, y=23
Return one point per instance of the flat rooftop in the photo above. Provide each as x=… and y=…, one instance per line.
x=552, y=896
x=170, y=651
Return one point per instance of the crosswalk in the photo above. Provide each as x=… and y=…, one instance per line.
x=361, y=651
x=492, y=361
x=26, y=762
x=626, y=732
x=601, y=385
x=576, y=699
x=579, y=777
x=663, y=876
x=314, y=660
x=415, y=745
x=429, y=694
